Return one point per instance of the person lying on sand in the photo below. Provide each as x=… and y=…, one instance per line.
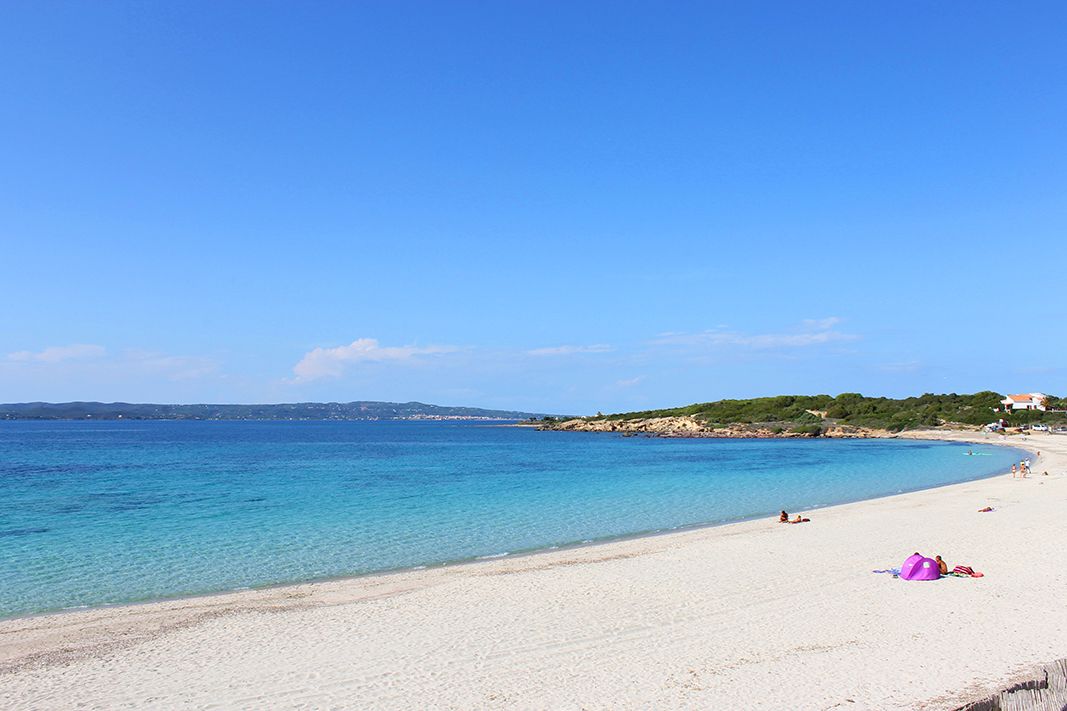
x=798, y=519
x=783, y=517
x=987, y=509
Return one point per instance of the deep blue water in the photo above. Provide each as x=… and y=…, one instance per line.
x=107, y=512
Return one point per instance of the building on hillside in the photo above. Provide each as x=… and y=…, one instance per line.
x=1026, y=401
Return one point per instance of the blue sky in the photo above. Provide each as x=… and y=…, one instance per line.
x=550, y=206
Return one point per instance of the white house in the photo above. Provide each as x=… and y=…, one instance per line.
x=1026, y=401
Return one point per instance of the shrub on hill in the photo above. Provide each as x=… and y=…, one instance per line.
x=794, y=411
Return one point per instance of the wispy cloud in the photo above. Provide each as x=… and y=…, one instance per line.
x=332, y=362
x=907, y=366
x=628, y=382
x=93, y=362
x=58, y=354
x=811, y=332
x=820, y=324
x=171, y=367
x=570, y=350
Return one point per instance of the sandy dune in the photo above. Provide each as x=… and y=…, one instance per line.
x=754, y=615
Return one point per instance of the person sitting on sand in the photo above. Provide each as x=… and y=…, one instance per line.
x=783, y=517
x=942, y=566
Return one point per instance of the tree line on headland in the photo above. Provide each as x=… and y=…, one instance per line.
x=808, y=414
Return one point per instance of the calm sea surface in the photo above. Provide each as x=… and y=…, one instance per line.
x=108, y=512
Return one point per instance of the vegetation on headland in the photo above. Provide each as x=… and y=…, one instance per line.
x=812, y=414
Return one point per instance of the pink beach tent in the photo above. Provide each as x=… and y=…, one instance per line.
x=916, y=567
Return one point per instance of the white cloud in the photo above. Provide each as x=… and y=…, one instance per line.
x=332, y=362
x=570, y=350
x=58, y=354
x=812, y=332
x=629, y=382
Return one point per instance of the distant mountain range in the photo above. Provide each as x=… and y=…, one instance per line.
x=363, y=410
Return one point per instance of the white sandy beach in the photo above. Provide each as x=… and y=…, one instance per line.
x=754, y=615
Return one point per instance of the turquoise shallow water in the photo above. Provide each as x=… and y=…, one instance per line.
x=94, y=513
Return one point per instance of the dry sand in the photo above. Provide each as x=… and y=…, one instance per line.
x=754, y=615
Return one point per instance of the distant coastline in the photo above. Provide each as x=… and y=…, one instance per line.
x=331, y=411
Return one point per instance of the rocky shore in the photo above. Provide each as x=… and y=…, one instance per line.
x=689, y=426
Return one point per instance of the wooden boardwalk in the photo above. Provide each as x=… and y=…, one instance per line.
x=1046, y=692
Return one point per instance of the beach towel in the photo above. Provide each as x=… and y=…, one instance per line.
x=895, y=572
x=965, y=571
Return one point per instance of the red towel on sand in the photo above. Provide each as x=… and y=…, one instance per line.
x=966, y=570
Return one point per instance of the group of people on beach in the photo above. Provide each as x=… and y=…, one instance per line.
x=1023, y=468
x=784, y=518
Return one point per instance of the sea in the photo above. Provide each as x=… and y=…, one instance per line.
x=103, y=513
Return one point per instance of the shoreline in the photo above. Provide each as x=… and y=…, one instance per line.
x=70, y=649
x=690, y=427
x=515, y=555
